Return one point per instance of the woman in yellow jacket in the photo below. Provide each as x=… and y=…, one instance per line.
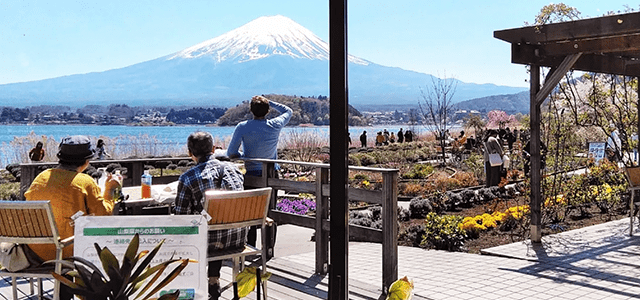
x=69, y=191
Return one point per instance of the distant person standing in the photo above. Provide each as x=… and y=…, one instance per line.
x=400, y=136
x=379, y=139
x=392, y=138
x=363, y=139
x=37, y=153
x=100, y=151
x=385, y=134
x=259, y=137
x=492, y=146
x=408, y=136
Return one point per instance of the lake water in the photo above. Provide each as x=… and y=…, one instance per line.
x=165, y=135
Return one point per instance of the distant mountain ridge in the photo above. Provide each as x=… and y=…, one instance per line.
x=269, y=55
x=511, y=103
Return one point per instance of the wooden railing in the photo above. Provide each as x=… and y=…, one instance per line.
x=386, y=197
x=135, y=168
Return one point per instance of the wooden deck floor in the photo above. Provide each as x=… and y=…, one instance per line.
x=288, y=281
x=298, y=282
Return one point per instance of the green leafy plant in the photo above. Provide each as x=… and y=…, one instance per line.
x=419, y=171
x=121, y=281
x=443, y=232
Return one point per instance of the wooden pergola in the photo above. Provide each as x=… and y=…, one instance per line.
x=608, y=45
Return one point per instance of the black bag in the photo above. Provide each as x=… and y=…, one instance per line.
x=271, y=231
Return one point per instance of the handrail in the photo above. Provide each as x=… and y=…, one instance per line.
x=135, y=167
x=387, y=197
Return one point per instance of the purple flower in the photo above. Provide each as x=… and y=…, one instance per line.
x=299, y=207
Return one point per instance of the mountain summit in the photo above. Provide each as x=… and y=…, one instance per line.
x=261, y=38
x=269, y=55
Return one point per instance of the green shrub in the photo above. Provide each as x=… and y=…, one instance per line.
x=412, y=235
x=418, y=171
x=443, y=232
x=9, y=191
x=380, y=157
x=365, y=159
x=354, y=160
x=361, y=176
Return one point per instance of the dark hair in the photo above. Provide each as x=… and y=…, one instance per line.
x=259, y=106
x=100, y=143
x=200, y=143
x=73, y=164
x=39, y=144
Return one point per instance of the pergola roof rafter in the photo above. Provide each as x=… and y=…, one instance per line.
x=608, y=44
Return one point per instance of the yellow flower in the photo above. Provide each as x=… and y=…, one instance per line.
x=499, y=216
x=365, y=183
x=518, y=212
x=488, y=221
x=559, y=199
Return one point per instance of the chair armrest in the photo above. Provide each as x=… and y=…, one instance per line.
x=68, y=241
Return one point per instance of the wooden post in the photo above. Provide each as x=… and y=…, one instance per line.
x=638, y=129
x=27, y=175
x=269, y=171
x=535, y=197
x=322, y=213
x=389, y=229
x=137, y=168
x=339, y=95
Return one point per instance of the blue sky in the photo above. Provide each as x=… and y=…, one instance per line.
x=46, y=39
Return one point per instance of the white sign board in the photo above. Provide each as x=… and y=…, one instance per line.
x=596, y=150
x=185, y=237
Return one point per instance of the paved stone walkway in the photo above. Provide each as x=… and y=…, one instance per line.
x=597, y=262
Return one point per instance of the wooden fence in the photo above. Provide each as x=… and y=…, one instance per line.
x=135, y=168
x=386, y=197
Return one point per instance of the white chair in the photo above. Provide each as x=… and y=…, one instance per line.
x=237, y=209
x=31, y=222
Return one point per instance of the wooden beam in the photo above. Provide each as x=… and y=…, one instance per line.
x=585, y=28
x=599, y=63
x=621, y=43
x=554, y=78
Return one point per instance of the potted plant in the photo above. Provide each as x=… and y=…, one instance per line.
x=122, y=281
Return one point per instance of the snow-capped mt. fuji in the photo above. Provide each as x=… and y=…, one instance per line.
x=261, y=38
x=269, y=55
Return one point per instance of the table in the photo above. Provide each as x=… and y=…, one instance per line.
x=136, y=205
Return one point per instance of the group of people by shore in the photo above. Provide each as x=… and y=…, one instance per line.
x=70, y=190
x=384, y=138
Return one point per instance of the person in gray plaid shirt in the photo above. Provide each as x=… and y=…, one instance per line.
x=209, y=173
